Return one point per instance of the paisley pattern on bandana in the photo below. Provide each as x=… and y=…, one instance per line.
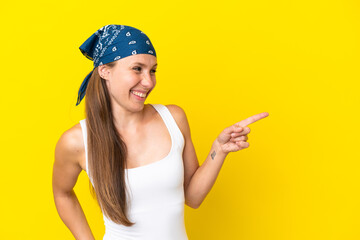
x=111, y=43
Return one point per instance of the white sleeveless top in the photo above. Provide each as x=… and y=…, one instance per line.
x=156, y=192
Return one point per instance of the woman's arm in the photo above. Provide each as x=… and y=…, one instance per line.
x=198, y=181
x=205, y=176
x=66, y=170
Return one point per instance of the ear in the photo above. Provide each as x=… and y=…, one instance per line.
x=103, y=71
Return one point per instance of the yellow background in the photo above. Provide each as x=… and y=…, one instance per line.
x=221, y=62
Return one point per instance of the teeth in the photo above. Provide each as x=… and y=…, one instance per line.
x=139, y=94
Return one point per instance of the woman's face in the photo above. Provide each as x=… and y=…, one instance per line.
x=131, y=76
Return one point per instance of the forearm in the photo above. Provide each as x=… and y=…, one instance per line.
x=205, y=176
x=73, y=216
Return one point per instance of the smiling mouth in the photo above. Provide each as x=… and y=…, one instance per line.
x=138, y=94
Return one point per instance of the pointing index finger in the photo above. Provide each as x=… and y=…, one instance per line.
x=252, y=119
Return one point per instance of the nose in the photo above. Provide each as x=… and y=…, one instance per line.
x=147, y=81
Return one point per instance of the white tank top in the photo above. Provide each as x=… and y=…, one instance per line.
x=156, y=193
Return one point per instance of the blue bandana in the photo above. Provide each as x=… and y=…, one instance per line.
x=111, y=43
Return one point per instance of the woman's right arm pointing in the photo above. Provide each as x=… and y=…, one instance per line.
x=66, y=169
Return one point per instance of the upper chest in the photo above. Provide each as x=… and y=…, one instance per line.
x=146, y=144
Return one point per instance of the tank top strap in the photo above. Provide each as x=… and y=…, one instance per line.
x=170, y=124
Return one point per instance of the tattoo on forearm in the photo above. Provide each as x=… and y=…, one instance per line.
x=213, y=155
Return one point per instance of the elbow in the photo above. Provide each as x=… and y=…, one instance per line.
x=196, y=206
x=192, y=200
x=192, y=205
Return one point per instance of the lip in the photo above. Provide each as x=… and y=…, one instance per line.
x=137, y=97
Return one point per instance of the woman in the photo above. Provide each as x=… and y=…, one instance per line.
x=140, y=158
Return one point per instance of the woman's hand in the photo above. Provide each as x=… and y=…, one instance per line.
x=234, y=138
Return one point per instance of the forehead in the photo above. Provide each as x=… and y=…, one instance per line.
x=142, y=59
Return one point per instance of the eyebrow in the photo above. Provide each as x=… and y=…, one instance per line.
x=141, y=64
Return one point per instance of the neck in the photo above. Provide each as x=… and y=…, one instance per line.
x=127, y=120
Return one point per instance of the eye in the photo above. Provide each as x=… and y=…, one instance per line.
x=139, y=68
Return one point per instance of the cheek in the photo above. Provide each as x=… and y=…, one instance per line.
x=120, y=88
x=114, y=87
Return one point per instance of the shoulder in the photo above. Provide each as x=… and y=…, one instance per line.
x=180, y=117
x=176, y=111
x=70, y=145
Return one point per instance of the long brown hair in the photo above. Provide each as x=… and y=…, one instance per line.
x=106, y=152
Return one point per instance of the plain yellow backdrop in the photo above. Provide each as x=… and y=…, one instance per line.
x=221, y=62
